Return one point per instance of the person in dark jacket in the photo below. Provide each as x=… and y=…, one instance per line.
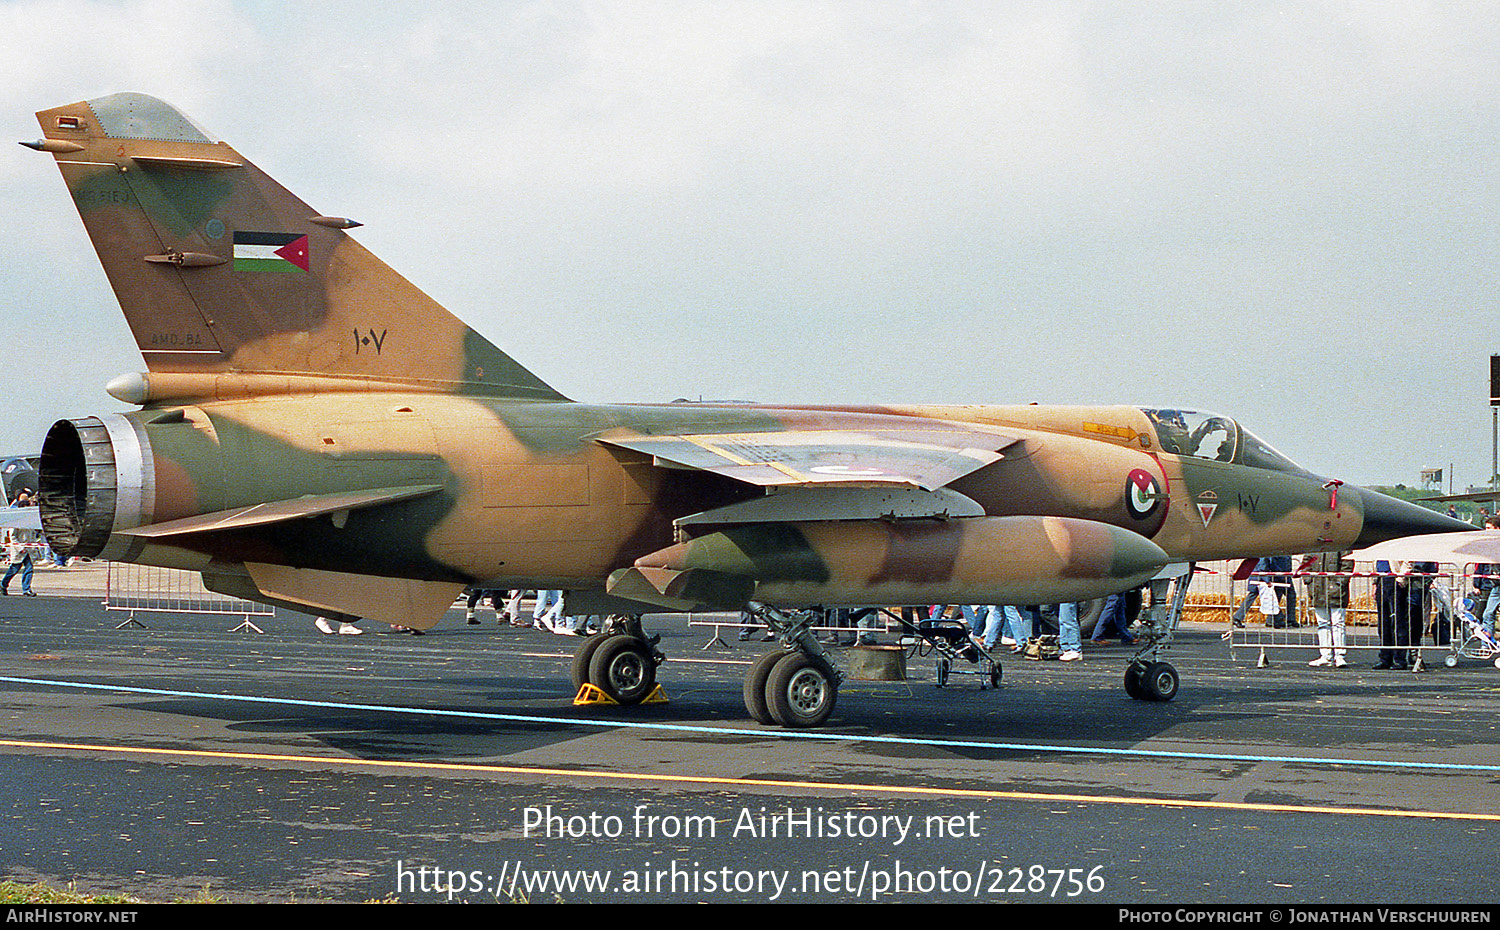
x=1393, y=635
x=1328, y=596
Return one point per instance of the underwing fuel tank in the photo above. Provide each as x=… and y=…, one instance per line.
x=980, y=560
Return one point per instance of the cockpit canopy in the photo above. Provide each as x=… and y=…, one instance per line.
x=1219, y=439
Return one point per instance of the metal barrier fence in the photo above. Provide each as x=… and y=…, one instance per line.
x=149, y=589
x=1424, y=614
x=1448, y=625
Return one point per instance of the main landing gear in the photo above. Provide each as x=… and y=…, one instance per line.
x=795, y=686
x=621, y=661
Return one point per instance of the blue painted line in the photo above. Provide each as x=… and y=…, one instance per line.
x=777, y=734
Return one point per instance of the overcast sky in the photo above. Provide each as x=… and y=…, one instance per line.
x=1284, y=212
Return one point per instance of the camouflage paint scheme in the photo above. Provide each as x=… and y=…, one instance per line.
x=315, y=431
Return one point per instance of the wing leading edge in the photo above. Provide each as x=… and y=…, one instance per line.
x=926, y=459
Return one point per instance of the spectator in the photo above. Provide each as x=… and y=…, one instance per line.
x=1487, y=586
x=477, y=596
x=1419, y=576
x=345, y=628
x=1328, y=594
x=1069, y=638
x=18, y=554
x=1119, y=612
x=1393, y=629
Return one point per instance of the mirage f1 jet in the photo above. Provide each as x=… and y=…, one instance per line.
x=317, y=433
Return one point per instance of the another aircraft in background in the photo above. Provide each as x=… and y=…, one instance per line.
x=315, y=432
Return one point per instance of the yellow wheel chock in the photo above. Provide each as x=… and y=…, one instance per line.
x=591, y=694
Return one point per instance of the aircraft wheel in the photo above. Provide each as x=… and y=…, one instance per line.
x=995, y=673
x=1159, y=682
x=1133, y=681
x=942, y=672
x=1450, y=660
x=623, y=668
x=1088, y=615
x=582, y=658
x=801, y=691
x=755, y=686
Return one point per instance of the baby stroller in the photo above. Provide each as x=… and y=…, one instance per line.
x=1470, y=639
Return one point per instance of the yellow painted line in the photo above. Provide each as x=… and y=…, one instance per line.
x=727, y=782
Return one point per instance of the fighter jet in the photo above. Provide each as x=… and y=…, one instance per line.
x=315, y=432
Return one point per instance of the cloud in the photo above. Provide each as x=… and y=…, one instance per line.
x=1216, y=206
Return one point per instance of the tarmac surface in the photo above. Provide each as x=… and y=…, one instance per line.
x=293, y=766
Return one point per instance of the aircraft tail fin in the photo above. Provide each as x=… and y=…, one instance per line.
x=220, y=269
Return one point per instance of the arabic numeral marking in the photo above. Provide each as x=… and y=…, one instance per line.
x=997, y=879
x=1057, y=880
x=369, y=340
x=1037, y=881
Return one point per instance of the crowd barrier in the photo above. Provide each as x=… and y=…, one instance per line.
x=1428, y=615
x=149, y=589
x=1448, y=623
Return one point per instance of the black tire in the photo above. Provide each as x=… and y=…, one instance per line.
x=1088, y=615
x=801, y=692
x=623, y=668
x=582, y=658
x=942, y=672
x=1133, y=686
x=996, y=672
x=1159, y=681
x=755, y=687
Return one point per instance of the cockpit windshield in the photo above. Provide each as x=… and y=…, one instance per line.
x=1219, y=439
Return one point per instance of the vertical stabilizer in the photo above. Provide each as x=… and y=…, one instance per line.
x=220, y=269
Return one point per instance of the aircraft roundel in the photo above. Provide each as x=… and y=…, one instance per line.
x=1143, y=494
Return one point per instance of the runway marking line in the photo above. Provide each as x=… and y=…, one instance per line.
x=607, y=723
x=683, y=659
x=728, y=782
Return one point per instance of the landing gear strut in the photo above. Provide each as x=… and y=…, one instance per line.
x=796, y=686
x=1147, y=677
x=621, y=661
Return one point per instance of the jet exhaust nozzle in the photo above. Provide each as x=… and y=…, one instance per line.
x=95, y=477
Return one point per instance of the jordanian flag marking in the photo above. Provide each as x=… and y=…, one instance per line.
x=266, y=251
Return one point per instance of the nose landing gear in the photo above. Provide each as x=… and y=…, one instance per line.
x=1147, y=678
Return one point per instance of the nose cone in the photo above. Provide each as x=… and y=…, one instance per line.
x=1389, y=518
